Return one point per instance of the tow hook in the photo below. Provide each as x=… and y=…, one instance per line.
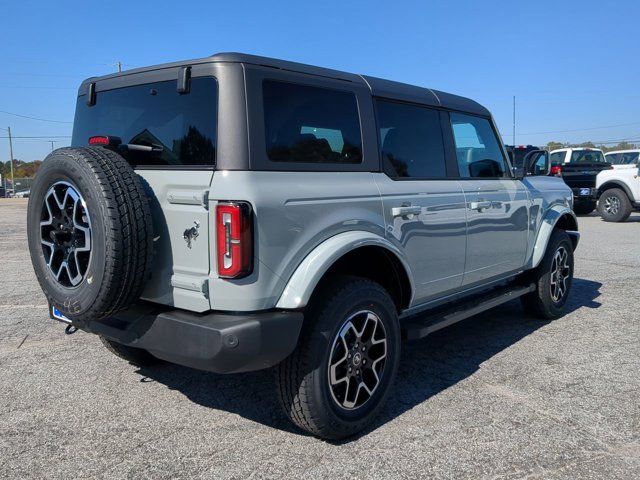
x=70, y=329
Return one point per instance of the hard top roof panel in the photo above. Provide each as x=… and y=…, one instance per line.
x=379, y=87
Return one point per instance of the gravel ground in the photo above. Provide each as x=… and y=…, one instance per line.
x=496, y=396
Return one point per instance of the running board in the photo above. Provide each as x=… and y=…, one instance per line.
x=422, y=325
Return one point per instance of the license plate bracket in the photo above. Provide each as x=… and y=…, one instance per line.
x=57, y=315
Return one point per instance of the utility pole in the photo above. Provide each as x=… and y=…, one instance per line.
x=13, y=184
x=514, y=120
x=119, y=64
x=52, y=142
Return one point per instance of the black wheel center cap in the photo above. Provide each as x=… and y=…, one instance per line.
x=357, y=359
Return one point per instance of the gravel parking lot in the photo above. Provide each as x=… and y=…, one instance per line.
x=496, y=396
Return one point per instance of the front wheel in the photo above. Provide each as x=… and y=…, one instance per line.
x=614, y=205
x=553, y=279
x=338, y=378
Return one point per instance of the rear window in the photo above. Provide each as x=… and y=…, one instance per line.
x=306, y=124
x=155, y=114
x=587, y=156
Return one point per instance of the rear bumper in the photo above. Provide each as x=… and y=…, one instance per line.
x=214, y=341
x=584, y=194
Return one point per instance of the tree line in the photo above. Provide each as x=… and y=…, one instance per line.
x=20, y=169
x=604, y=148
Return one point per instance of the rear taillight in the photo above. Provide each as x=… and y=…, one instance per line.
x=556, y=170
x=234, y=239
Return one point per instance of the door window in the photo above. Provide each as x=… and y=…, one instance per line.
x=629, y=158
x=411, y=140
x=477, y=147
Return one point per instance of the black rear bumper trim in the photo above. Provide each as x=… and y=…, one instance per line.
x=214, y=341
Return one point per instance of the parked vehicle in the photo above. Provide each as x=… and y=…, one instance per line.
x=517, y=154
x=619, y=188
x=235, y=213
x=23, y=194
x=579, y=167
x=620, y=158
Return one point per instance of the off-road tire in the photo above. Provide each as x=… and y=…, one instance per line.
x=302, y=378
x=584, y=208
x=135, y=356
x=540, y=302
x=121, y=232
x=624, y=205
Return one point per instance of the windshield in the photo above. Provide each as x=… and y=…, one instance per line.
x=587, y=156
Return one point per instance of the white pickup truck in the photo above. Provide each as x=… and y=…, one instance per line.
x=619, y=188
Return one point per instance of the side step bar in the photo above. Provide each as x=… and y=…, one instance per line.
x=422, y=325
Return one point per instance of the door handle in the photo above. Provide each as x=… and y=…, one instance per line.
x=480, y=205
x=406, y=211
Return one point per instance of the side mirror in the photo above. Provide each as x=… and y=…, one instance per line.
x=537, y=163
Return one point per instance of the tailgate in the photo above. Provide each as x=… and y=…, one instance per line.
x=180, y=267
x=582, y=175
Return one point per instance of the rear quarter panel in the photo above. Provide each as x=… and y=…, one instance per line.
x=293, y=213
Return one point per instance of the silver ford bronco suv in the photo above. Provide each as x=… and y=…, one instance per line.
x=235, y=213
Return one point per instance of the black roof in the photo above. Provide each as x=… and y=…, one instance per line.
x=378, y=86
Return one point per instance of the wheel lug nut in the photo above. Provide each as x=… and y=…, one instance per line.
x=364, y=361
x=357, y=372
x=363, y=349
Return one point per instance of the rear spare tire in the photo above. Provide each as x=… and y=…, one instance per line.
x=90, y=232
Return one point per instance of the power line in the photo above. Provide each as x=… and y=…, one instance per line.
x=38, y=136
x=581, y=129
x=32, y=118
x=37, y=88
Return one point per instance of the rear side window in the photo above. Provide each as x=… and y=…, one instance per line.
x=181, y=126
x=411, y=140
x=305, y=124
x=587, y=156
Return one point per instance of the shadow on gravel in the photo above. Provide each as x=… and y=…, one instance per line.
x=427, y=367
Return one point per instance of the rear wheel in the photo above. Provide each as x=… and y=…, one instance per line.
x=614, y=205
x=335, y=382
x=135, y=356
x=553, y=279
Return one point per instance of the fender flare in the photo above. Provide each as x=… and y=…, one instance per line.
x=307, y=275
x=551, y=218
x=615, y=183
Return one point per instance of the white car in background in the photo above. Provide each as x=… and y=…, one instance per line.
x=619, y=188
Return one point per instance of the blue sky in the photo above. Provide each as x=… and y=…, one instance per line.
x=573, y=65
